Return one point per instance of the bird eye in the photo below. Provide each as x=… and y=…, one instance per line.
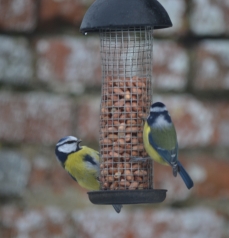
x=70, y=142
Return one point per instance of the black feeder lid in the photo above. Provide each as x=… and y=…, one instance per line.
x=111, y=14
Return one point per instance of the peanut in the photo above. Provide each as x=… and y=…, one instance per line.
x=138, y=147
x=127, y=95
x=135, y=167
x=118, y=149
x=119, y=103
x=140, y=173
x=133, y=185
x=112, y=170
x=120, y=168
x=110, y=178
x=131, y=122
x=113, y=136
x=114, y=185
x=118, y=91
x=124, y=183
x=104, y=172
x=117, y=175
x=114, y=154
x=112, y=129
x=128, y=175
x=127, y=137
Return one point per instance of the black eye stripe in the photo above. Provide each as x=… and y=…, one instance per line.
x=70, y=142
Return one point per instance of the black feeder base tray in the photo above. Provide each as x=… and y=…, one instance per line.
x=110, y=197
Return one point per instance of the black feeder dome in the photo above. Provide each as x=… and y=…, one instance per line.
x=118, y=16
x=110, y=14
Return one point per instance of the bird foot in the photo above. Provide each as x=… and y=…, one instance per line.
x=175, y=169
x=139, y=159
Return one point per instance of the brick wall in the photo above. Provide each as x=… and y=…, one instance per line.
x=50, y=87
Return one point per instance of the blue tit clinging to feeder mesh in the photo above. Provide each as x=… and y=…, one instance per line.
x=160, y=140
x=81, y=162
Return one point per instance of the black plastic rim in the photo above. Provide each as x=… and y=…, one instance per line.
x=127, y=197
x=111, y=14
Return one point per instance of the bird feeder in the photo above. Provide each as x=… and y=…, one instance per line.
x=126, y=38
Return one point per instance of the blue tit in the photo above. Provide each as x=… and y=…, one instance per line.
x=81, y=162
x=160, y=141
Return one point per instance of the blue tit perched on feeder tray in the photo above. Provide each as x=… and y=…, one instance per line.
x=81, y=162
x=160, y=141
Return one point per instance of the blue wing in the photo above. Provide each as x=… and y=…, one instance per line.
x=170, y=156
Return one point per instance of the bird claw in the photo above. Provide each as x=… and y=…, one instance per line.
x=139, y=159
x=174, y=172
x=175, y=169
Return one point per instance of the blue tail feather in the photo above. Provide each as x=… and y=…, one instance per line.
x=184, y=175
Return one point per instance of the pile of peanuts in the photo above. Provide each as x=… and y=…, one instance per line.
x=124, y=105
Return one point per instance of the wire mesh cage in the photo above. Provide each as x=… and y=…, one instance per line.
x=126, y=57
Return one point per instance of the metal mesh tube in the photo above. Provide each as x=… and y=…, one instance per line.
x=126, y=97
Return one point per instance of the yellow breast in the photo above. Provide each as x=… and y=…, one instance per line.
x=149, y=149
x=77, y=167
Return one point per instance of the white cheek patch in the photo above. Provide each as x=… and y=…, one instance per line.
x=161, y=122
x=69, y=138
x=158, y=109
x=67, y=148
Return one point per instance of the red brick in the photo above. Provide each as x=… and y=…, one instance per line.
x=34, y=117
x=71, y=11
x=210, y=17
x=50, y=173
x=212, y=63
x=198, y=123
x=176, y=10
x=69, y=64
x=18, y=15
x=194, y=121
x=51, y=221
x=87, y=119
x=214, y=181
x=170, y=66
x=208, y=172
x=164, y=179
x=16, y=64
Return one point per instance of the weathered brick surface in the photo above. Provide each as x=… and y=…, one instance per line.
x=212, y=65
x=51, y=221
x=18, y=15
x=50, y=87
x=34, y=117
x=14, y=171
x=87, y=119
x=198, y=123
x=16, y=60
x=68, y=63
x=47, y=172
x=31, y=120
x=210, y=17
x=170, y=66
x=209, y=174
x=176, y=10
x=70, y=11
